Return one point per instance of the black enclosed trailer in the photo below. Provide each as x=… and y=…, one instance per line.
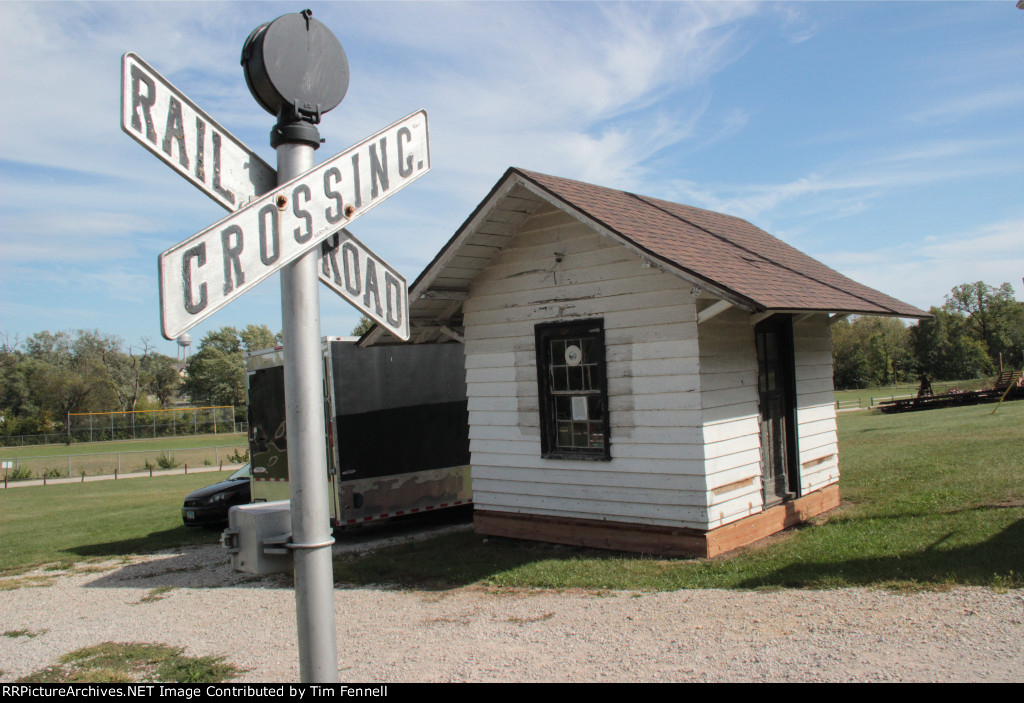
x=397, y=428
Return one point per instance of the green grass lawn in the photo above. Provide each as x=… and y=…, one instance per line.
x=929, y=499
x=129, y=445
x=94, y=458
x=98, y=519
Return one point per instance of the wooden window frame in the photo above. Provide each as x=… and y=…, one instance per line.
x=597, y=396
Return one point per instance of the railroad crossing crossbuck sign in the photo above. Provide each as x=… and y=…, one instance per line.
x=269, y=225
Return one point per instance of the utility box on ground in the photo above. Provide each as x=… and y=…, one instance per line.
x=257, y=536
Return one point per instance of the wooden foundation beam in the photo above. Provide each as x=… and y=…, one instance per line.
x=656, y=539
x=754, y=527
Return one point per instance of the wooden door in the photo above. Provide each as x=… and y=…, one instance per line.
x=777, y=399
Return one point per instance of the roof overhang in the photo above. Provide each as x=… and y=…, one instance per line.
x=437, y=295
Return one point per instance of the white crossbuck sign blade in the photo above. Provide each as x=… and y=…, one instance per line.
x=155, y=113
x=213, y=267
x=362, y=278
x=163, y=119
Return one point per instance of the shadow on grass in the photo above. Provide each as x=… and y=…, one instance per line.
x=997, y=561
x=456, y=560
x=155, y=541
x=463, y=559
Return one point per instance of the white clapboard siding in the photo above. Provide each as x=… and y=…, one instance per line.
x=616, y=480
x=654, y=401
x=649, y=351
x=731, y=429
x=519, y=326
x=818, y=387
x=813, y=446
x=657, y=513
x=497, y=390
x=595, y=490
x=736, y=506
x=816, y=415
x=621, y=278
x=503, y=403
x=727, y=480
x=689, y=449
x=656, y=474
x=806, y=414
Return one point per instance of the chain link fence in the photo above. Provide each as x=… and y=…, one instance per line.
x=150, y=460
x=21, y=440
x=150, y=424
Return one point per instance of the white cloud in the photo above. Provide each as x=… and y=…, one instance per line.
x=559, y=83
x=796, y=25
x=846, y=188
x=599, y=92
x=959, y=107
x=923, y=272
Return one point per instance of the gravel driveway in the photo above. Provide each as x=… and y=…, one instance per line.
x=473, y=634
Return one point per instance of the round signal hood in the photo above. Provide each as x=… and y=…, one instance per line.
x=295, y=67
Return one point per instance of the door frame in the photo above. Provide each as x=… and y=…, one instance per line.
x=781, y=325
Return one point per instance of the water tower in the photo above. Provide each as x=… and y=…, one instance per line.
x=185, y=341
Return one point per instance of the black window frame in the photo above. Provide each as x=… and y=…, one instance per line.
x=597, y=397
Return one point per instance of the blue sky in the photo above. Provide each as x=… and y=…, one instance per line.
x=885, y=139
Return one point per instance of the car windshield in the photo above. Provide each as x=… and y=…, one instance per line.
x=244, y=472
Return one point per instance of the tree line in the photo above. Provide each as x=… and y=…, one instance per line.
x=977, y=327
x=48, y=375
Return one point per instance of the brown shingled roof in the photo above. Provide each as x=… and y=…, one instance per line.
x=726, y=251
x=729, y=257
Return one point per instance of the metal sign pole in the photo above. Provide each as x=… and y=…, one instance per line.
x=296, y=70
x=311, y=531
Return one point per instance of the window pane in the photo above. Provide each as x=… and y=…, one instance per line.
x=558, y=352
x=564, y=434
x=580, y=438
x=575, y=378
x=559, y=378
x=587, y=345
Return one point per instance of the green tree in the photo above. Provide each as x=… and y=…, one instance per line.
x=870, y=351
x=129, y=374
x=65, y=372
x=165, y=381
x=52, y=374
x=8, y=351
x=216, y=373
x=945, y=350
x=993, y=317
x=850, y=368
x=363, y=327
x=256, y=337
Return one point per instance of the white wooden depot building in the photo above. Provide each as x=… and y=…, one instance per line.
x=641, y=375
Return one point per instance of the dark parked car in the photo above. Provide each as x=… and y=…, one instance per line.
x=209, y=506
